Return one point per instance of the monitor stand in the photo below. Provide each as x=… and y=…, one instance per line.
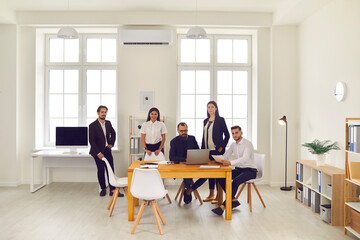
x=73, y=151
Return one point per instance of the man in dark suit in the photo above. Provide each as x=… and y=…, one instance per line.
x=178, y=152
x=102, y=138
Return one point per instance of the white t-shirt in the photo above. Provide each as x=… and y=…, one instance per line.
x=153, y=131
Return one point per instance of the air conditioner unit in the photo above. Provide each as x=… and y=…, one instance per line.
x=146, y=37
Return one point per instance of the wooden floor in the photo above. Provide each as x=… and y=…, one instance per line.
x=75, y=211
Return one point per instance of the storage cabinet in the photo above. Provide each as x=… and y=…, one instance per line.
x=352, y=187
x=315, y=182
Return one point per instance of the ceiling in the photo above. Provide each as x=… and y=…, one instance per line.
x=148, y=5
x=285, y=11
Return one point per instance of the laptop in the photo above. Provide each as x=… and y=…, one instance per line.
x=197, y=156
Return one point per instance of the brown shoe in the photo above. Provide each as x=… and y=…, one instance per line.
x=214, y=201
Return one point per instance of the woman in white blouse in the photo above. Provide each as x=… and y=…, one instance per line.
x=153, y=133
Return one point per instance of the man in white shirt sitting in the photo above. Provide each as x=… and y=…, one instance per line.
x=245, y=167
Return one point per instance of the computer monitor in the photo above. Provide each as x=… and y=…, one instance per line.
x=71, y=137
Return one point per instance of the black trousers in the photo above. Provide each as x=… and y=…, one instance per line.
x=101, y=168
x=213, y=181
x=197, y=184
x=239, y=176
x=154, y=147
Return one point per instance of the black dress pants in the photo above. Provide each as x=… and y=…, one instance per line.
x=197, y=184
x=239, y=176
x=101, y=168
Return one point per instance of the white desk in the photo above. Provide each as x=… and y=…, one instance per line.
x=54, y=159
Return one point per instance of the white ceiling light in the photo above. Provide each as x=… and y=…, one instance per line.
x=67, y=32
x=196, y=32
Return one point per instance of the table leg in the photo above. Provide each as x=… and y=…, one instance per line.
x=228, y=195
x=32, y=175
x=45, y=172
x=130, y=199
x=32, y=187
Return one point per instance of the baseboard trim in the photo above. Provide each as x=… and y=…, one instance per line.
x=9, y=184
x=281, y=184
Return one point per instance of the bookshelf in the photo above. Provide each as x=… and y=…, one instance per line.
x=352, y=188
x=316, y=180
x=136, y=151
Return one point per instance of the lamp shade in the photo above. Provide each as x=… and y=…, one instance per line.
x=67, y=33
x=282, y=121
x=196, y=33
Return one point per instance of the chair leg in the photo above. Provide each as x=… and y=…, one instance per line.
x=247, y=193
x=126, y=192
x=158, y=211
x=168, y=198
x=156, y=216
x=250, y=200
x=197, y=196
x=138, y=217
x=111, y=200
x=180, y=189
x=259, y=195
x=241, y=189
x=181, y=196
x=116, y=193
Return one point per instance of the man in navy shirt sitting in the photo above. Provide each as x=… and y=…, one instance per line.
x=178, y=152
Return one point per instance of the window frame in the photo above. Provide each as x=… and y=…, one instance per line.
x=214, y=67
x=82, y=66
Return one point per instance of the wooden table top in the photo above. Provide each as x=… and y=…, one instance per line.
x=181, y=167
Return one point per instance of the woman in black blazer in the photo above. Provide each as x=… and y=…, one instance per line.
x=215, y=137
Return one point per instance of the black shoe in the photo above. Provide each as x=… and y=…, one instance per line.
x=187, y=198
x=218, y=211
x=235, y=204
x=120, y=194
x=102, y=192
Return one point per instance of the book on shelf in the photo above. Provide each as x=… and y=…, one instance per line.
x=134, y=145
x=319, y=181
x=354, y=138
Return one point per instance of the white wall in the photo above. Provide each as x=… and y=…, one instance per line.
x=8, y=134
x=284, y=101
x=155, y=68
x=329, y=52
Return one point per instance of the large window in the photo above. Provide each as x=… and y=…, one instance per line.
x=80, y=76
x=217, y=68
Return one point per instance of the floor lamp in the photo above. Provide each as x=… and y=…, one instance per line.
x=282, y=122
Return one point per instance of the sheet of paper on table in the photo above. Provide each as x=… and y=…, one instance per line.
x=218, y=158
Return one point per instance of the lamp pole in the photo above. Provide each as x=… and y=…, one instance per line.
x=286, y=188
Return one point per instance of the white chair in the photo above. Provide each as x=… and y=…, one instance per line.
x=153, y=157
x=117, y=183
x=147, y=184
x=260, y=162
x=159, y=158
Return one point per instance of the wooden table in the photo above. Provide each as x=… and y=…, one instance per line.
x=185, y=171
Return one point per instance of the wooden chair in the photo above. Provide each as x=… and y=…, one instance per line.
x=181, y=191
x=260, y=162
x=147, y=184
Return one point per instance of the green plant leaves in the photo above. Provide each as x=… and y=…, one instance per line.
x=321, y=147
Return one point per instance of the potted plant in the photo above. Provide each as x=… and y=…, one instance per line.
x=319, y=148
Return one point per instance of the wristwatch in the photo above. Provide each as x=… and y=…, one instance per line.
x=145, y=148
